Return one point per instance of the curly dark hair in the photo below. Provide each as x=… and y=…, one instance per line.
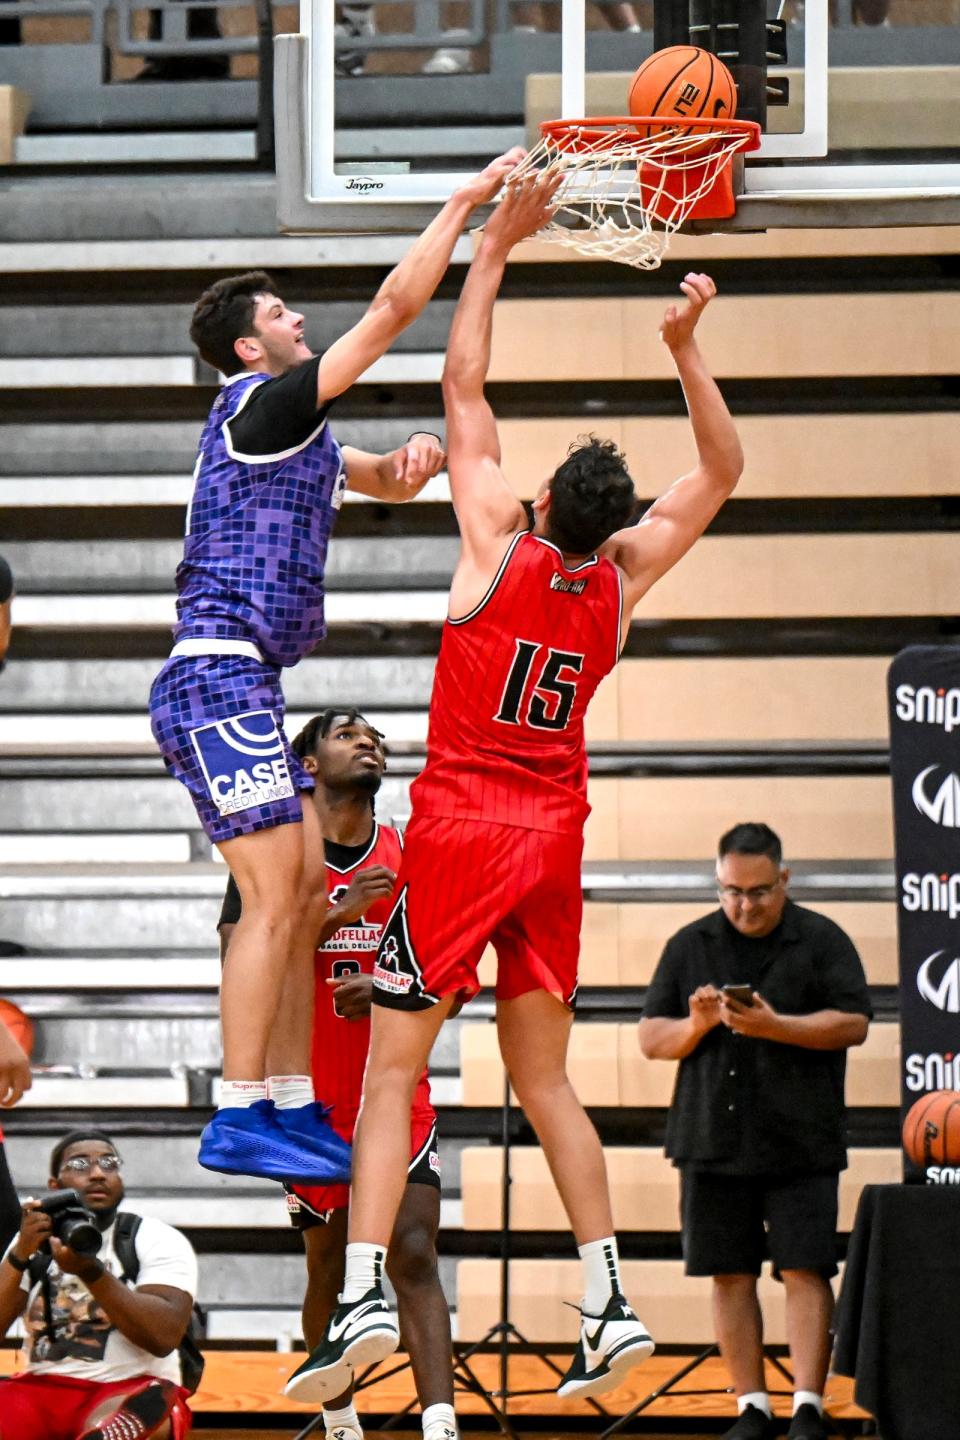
x=591, y=496
x=224, y=313
x=319, y=727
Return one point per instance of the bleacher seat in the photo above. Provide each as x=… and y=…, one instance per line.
x=607, y=1069
x=644, y=1187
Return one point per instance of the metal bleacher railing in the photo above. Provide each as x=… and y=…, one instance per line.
x=76, y=84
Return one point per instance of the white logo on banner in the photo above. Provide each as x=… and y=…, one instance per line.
x=924, y=705
x=946, y=994
x=939, y=893
x=943, y=807
x=943, y=1175
x=932, y=1072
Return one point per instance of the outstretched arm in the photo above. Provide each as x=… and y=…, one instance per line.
x=487, y=509
x=679, y=517
x=410, y=285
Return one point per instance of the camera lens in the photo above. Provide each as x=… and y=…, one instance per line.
x=82, y=1236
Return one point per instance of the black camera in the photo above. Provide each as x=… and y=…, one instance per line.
x=73, y=1224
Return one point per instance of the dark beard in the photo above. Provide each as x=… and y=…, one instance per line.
x=367, y=784
x=103, y=1219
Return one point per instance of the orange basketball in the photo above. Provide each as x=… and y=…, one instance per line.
x=683, y=83
x=18, y=1024
x=931, y=1129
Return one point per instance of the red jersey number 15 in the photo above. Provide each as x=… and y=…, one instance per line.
x=551, y=697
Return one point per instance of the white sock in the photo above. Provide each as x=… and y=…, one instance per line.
x=364, y=1269
x=289, y=1092
x=239, y=1094
x=759, y=1399
x=346, y=1416
x=807, y=1397
x=439, y=1415
x=601, y=1274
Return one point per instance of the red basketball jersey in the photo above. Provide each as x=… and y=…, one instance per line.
x=512, y=684
x=340, y=1046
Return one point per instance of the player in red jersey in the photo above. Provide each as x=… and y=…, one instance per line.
x=537, y=617
x=345, y=754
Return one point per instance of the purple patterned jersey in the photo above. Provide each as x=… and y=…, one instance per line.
x=258, y=528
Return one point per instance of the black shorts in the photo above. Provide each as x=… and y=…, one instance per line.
x=732, y=1223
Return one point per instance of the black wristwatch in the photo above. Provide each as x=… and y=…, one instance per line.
x=17, y=1263
x=99, y=1270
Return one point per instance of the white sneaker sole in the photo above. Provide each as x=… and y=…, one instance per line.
x=318, y=1385
x=613, y=1375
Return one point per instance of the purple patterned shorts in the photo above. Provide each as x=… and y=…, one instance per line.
x=218, y=720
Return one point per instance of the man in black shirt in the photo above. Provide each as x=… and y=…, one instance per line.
x=760, y=1001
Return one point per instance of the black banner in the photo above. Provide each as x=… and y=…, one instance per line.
x=924, y=696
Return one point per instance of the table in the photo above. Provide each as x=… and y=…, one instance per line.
x=897, y=1326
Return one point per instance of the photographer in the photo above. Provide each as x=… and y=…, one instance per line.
x=102, y=1326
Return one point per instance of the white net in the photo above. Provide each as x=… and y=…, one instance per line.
x=629, y=184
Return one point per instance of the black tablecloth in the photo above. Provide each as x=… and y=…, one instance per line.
x=898, y=1317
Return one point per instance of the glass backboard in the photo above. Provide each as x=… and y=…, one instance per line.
x=383, y=107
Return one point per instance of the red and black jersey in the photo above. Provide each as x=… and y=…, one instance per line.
x=512, y=684
x=340, y=1046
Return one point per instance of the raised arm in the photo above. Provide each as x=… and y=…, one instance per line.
x=410, y=285
x=679, y=517
x=487, y=509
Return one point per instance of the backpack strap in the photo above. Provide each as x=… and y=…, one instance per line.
x=37, y=1266
x=38, y=1271
x=125, y=1229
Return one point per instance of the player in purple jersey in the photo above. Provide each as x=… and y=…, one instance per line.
x=269, y=480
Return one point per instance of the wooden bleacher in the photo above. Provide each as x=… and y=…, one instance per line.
x=607, y=1069
x=787, y=456
x=568, y=338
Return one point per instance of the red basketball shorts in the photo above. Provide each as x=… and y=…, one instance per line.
x=309, y=1205
x=59, y=1407
x=464, y=884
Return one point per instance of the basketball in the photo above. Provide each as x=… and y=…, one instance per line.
x=683, y=82
x=931, y=1129
x=19, y=1025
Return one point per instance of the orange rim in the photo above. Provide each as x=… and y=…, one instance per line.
x=567, y=130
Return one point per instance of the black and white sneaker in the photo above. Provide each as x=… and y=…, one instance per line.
x=610, y=1345
x=357, y=1334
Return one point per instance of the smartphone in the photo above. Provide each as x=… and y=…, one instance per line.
x=743, y=994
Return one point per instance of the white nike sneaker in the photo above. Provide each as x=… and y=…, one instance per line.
x=344, y=1432
x=440, y=1432
x=357, y=1334
x=610, y=1345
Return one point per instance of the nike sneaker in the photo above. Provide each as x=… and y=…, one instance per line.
x=610, y=1345
x=807, y=1424
x=344, y=1432
x=751, y=1424
x=247, y=1140
x=358, y=1333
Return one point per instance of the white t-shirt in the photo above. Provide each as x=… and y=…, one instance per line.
x=87, y=1346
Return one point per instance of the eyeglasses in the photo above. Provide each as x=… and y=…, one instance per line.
x=756, y=894
x=81, y=1165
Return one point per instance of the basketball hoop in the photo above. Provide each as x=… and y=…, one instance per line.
x=630, y=182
